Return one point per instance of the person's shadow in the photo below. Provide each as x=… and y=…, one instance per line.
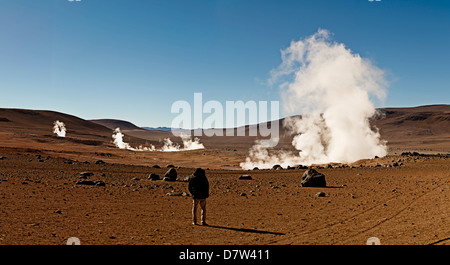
x=245, y=230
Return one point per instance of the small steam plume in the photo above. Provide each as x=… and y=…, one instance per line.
x=188, y=144
x=118, y=140
x=59, y=128
x=331, y=87
x=168, y=146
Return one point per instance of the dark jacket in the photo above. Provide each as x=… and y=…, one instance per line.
x=199, y=185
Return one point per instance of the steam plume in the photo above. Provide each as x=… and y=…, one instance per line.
x=188, y=144
x=59, y=128
x=118, y=140
x=331, y=86
x=168, y=146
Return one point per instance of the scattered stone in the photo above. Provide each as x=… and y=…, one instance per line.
x=320, y=194
x=156, y=166
x=277, y=167
x=246, y=177
x=171, y=175
x=255, y=168
x=136, y=179
x=100, y=183
x=302, y=167
x=100, y=162
x=170, y=166
x=85, y=182
x=58, y=212
x=312, y=178
x=86, y=174
x=154, y=176
x=243, y=194
x=2, y=157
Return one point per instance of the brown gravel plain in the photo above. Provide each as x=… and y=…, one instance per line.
x=43, y=203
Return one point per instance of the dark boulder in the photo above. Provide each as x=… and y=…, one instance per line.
x=246, y=177
x=85, y=182
x=320, y=194
x=312, y=178
x=100, y=183
x=277, y=167
x=171, y=175
x=84, y=175
x=154, y=176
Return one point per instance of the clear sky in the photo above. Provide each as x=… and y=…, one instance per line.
x=131, y=59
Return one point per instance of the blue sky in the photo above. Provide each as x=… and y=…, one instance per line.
x=131, y=59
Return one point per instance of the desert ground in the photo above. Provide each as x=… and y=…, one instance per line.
x=402, y=199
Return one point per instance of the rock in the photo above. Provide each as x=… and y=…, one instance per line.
x=171, y=175
x=85, y=182
x=100, y=183
x=320, y=194
x=312, y=178
x=135, y=179
x=170, y=166
x=154, y=176
x=86, y=174
x=156, y=166
x=243, y=194
x=246, y=177
x=289, y=167
x=58, y=212
x=277, y=167
x=255, y=168
x=100, y=162
x=2, y=157
x=302, y=167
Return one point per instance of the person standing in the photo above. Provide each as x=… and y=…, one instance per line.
x=199, y=188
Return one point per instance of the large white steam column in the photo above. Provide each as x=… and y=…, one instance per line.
x=332, y=88
x=118, y=140
x=59, y=128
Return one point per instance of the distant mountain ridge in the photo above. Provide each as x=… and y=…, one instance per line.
x=164, y=129
x=416, y=128
x=114, y=123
